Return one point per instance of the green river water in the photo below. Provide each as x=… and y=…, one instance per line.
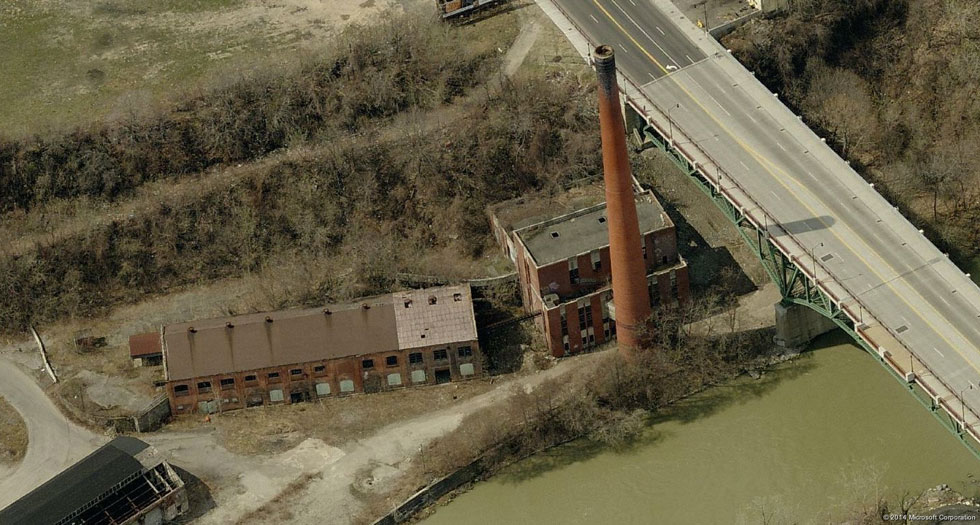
x=804, y=443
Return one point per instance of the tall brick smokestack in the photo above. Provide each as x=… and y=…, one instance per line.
x=629, y=282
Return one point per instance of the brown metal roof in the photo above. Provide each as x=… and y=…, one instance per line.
x=143, y=345
x=253, y=341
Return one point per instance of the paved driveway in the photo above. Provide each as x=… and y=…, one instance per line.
x=55, y=442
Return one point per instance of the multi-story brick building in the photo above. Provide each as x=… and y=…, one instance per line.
x=563, y=265
x=406, y=338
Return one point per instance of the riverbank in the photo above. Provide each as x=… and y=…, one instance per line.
x=809, y=442
x=606, y=405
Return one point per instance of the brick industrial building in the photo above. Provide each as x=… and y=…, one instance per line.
x=560, y=246
x=123, y=482
x=406, y=338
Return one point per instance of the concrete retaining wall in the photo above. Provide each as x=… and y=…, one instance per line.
x=154, y=416
x=433, y=492
x=722, y=30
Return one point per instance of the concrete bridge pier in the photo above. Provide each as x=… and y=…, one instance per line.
x=797, y=325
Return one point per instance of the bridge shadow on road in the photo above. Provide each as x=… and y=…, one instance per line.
x=802, y=226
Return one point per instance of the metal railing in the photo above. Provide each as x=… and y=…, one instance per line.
x=769, y=224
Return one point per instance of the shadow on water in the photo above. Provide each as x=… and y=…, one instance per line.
x=735, y=392
x=688, y=410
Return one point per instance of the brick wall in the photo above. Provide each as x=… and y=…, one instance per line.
x=299, y=382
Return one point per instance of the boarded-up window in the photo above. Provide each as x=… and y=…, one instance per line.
x=394, y=379
x=181, y=390
x=347, y=385
x=466, y=369
x=418, y=376
x=275, y=396
x=323, y=389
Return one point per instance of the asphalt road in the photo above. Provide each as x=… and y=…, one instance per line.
x=54, y=444
x=830, y=218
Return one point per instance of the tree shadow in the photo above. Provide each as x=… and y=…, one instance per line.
x=737, y=392
x=504, y=346
x=692, y=408
x=706, y=263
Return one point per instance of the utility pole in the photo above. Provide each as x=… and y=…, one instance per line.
x=703, y=4
x=812, y=256
x=671, y=122
x=963, y=404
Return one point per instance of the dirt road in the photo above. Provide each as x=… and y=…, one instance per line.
x=55, y=442
x=329, y=498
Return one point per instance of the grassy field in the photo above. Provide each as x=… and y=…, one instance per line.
x=69, y=63
x=13, y=434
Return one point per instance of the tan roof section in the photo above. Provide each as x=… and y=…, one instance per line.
x=434, y=316
x=209, y=347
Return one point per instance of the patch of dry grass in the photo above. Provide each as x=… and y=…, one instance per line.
x=13, y=434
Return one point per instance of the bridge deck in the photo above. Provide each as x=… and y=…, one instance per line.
x=817, y=209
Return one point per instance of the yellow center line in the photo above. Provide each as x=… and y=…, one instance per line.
x=770, y=166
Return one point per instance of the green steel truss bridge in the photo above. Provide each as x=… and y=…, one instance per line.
x=828, y=240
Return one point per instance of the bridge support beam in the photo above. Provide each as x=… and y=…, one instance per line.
x=797, y=325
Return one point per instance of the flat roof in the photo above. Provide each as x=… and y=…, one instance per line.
x=585, y=230
x=531, y=209
x=91, y=478
x=263, y=340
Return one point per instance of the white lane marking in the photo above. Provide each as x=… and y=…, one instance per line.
x=774, y=194
x=593, y=19
x=630, y=18
x=625, y=50
x=780, y=146
x=938, y=352
x=632, y=2
x=691, y=60
x=661, y=31
x=744, y=166
x=651, y=75
x=719, y=105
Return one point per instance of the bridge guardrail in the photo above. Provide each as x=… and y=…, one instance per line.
x=771, y=223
